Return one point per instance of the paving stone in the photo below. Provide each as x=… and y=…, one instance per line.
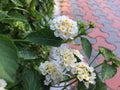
x=74, y=6
x=113, y=17
x=79, y=18
x=92, y=2
x=67, y=9
x=102, y=42
x=117, y=14
x=108, y=28
x=119, y=34
x=73, y=2
x=113, y=6
x=117, y=51
x=106, y=15
x=100, y=13
x=113, y=37
x=90, y=17
x=98, y=25
x=116, y=24
x=92, y=40
x=103, y=20
x=97, y=32
x=95, y=7
x=77, y=13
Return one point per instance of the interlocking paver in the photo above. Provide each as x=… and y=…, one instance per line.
x=74, y=2
x=102, y=42
x=103, y=20
x=119, y=34
x=92, y=2
x=96, y=32
x=108, y=28
x=113, y=37
x=79, y=18
x=116, y=24
x=106, y=15
x=117, y=3
x=117, y=51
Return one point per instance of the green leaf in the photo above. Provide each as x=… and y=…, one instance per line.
x=106, y=53
x=8, y=59
x=3, y=14
x=17, y=3
x=27, y=54
x=28, y=1
x=108, y=71
x=115, y=61
x=81, y=86
x=31, y=81
x=99, y=84
x=87, y=47
x=44, y=37
x=15, y=16
x=33, y=7
x=78, y=59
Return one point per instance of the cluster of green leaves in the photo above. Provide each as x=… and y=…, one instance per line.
x=20, y=57
x=25, y=40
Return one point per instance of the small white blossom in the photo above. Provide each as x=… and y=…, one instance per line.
x=52, y=74
x=68, y=27
x=3, y=84
x=85, y=73
x=64, y=56
x=80, y=77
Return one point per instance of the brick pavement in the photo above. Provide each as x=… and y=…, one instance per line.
x=106, y=15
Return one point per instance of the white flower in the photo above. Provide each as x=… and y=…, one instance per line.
x=86, y=77
x=86, y=84
x=63, y=28
x=85, y=73
x=78, y=54
x=90, y=69
x=1, y=88
x=57, y=33
x=80, y=77
x=46, y=82
x=64, y=56
x=3, y=84
x=51, y=72
x=68, y=27
x=73, y=71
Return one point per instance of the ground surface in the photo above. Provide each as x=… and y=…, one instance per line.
x=106, y=15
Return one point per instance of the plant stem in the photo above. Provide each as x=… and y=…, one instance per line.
x=18, y=40
x=66, y=80
x=69, y=84
x=65, y=86
x=77, y=36
x=98, y=65
x=94, y=58
x=15, y=85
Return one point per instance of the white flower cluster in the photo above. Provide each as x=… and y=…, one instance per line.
x=52, y=74
x=65, y=57
x=62, y=61
x=3, y=84
x=84, y=73
x=64, y=27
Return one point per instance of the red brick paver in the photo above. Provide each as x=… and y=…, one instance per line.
x=106, y=15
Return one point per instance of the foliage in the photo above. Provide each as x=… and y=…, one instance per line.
x=26, y=38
